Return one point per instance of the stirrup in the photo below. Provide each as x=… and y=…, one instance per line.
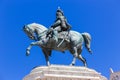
x=67, y=40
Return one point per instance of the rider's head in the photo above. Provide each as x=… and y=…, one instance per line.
x=59, y=12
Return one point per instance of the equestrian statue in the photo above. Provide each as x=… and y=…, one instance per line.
x=58, y=37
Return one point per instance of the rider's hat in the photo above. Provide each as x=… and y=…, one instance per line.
x=59, y=10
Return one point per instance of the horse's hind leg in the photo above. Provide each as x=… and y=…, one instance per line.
x=81, y=58
x=75, y=55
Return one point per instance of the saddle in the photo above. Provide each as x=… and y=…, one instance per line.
x=64, y=35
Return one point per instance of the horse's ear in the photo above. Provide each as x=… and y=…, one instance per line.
x=23, y=27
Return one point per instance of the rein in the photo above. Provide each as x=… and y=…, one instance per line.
x=41, y=34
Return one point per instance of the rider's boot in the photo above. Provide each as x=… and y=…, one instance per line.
x=55, y=36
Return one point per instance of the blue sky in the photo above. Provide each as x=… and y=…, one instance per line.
x=100, y=18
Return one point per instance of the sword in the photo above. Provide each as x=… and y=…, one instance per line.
x=61, y=41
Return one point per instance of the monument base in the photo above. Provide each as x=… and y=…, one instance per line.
x=62, y=72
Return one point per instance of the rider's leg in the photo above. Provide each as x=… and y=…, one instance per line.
x=67, y=38
x=55, y=35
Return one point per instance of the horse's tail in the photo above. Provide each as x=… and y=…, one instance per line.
x=87, y=40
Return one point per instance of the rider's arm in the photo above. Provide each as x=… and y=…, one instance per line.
x=57, y=23
x=69, y=26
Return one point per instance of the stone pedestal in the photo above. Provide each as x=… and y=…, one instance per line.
x=114, y=75
x=61, y=72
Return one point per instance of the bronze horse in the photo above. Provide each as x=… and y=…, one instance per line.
x=38, y=33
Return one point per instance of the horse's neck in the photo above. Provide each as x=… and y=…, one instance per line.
x=38, y=31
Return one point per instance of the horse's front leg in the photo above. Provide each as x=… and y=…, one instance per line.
x=30, y=46
x=75, y=55
x=47, y=53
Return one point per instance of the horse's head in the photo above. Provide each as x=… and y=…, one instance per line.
x=34, y=29
x=29, y=31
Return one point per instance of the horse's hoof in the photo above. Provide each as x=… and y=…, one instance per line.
x=72, y=64
x=27, y=53
x=85, y=66
x=90, y=51
x=48, y=64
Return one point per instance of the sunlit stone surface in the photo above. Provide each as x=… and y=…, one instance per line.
x=62, y=72
x=114, y=75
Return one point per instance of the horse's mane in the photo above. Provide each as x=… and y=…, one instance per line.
x=40, y=26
